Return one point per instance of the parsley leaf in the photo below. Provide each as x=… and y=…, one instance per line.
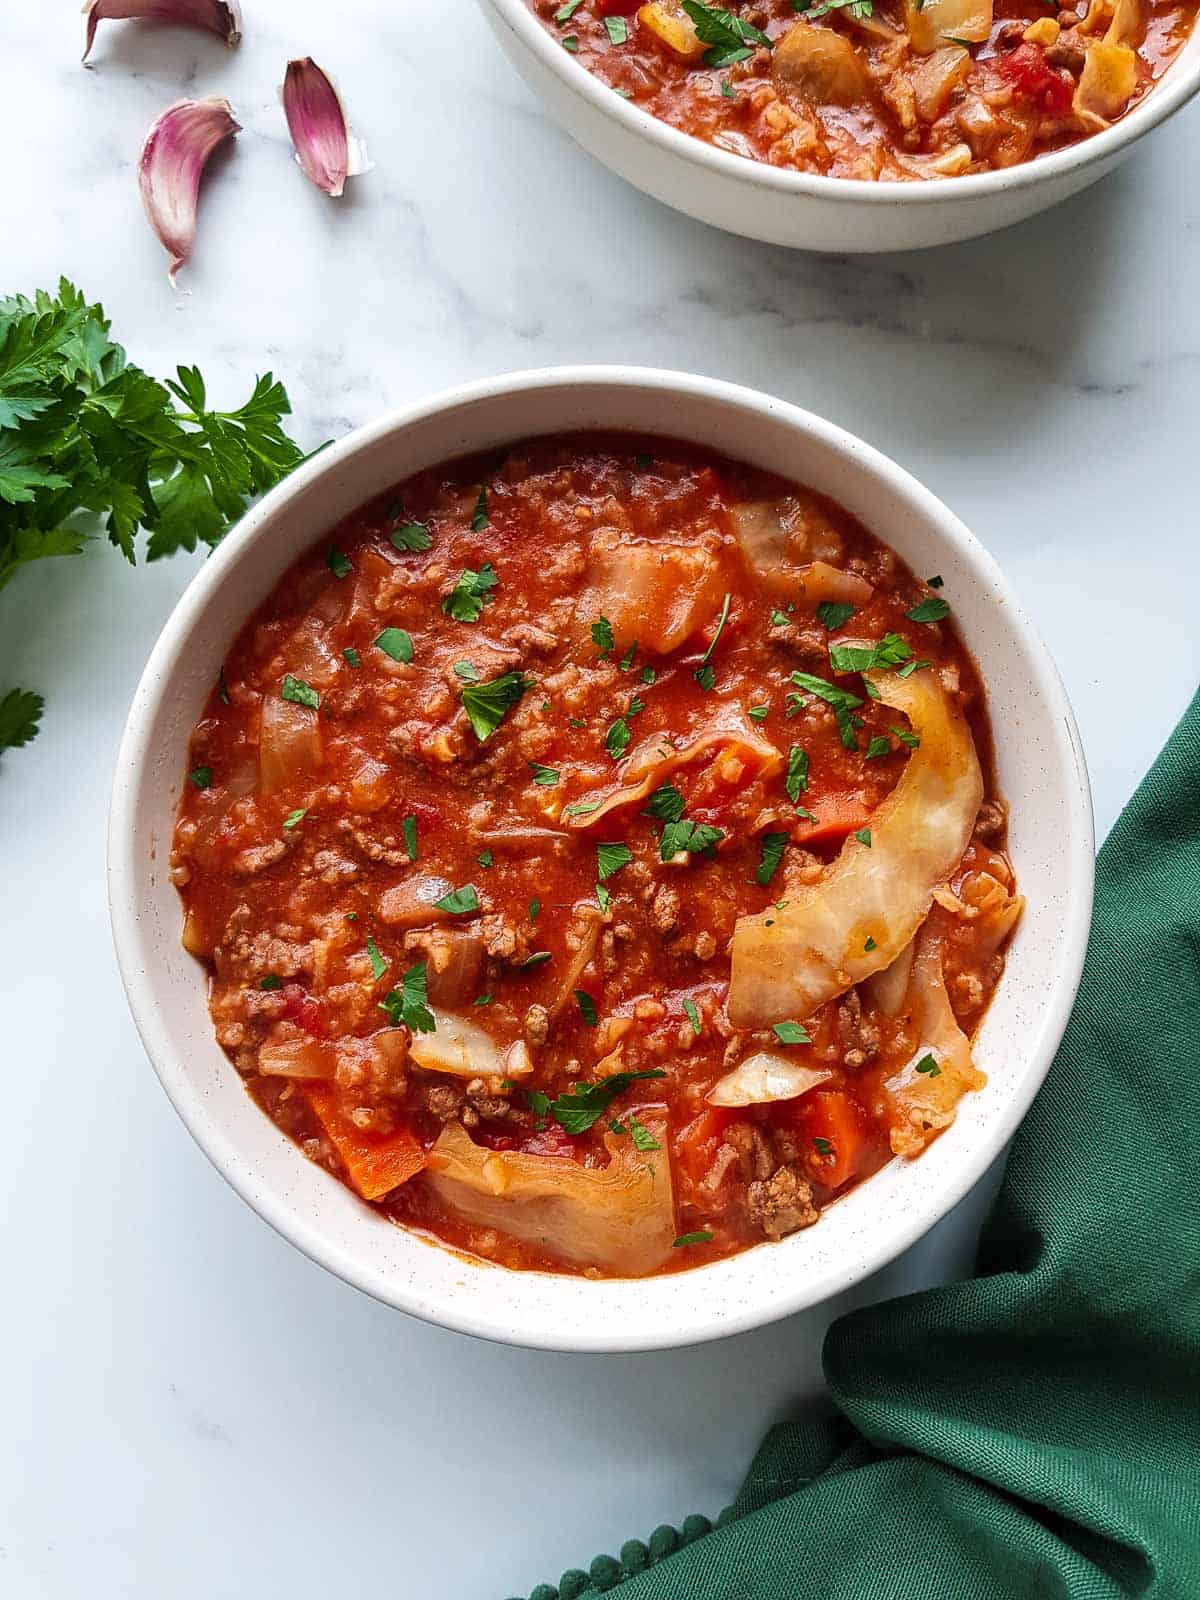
x=581, y=1108
x=378, y=964
x=929, y=1067
x=666, y=803
x=409, y=1004
x=931, y=610
x=721, y=621
x=299, y=692
x=537, y=959
x=351, y=656
x=863, y=835
x=567, y=11
x=409, y=829
x=487, y=704
x=688, y=837
x=935, y=582
x=617, y=29
x=841, y=701
x=602, y=636
x=856, y=8
x=889, y=652
x=611, y=858
x=643, y=1139
x=626, y=660
x=693, y=1015
x=603, y=897
x=791, y=1033
x=587, y=1007
x=731, y=38
x=616, y=740
x=471, y=593
x=909, y=667
x=908, y=738
x=294, y=819
x=480, y=517
x=459, y=901
x=270, y=982
x=834, y=614
x=700, y=1236
x=201, y=777
x=773, y=846
x=546, y=776
x=339, y=562
x=396, y=643
x=580, y=808
x=705, y=677
x=759, y=713
x=412, y=536
x=486, y=859
x=878, y=746
x=796, y=781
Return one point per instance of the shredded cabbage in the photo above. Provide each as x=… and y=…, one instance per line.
x=765, y=1076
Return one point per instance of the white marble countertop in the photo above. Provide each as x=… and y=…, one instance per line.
x=191, y=1408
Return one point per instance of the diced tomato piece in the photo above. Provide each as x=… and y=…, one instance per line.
x=833, y=1127
x=300, y=1007
x=1034, y=79
x=375, y=1163
x=696, y=1143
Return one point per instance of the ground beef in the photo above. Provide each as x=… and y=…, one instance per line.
x=781, y=1204
x=664, y=913
x=858, y=1032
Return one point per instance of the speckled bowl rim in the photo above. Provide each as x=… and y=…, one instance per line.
x=553, y=1311
x=1174, y=89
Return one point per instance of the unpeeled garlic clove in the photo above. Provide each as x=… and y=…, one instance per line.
x=172, y=163
x=325, y=147
x=222, y=17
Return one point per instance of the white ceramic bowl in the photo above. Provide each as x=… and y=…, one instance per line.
x=1041, y=771
x=801, y=209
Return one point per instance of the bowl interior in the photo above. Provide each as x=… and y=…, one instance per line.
x=1041, y=771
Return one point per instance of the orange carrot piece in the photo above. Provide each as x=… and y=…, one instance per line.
x=832, y=1125
x=375, y=1164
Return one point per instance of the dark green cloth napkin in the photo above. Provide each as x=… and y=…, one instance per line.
x=1034, y=1431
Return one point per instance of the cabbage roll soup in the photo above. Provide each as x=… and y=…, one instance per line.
x=886, y=89
x=595, y=857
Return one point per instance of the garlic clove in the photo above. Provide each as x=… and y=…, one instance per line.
x=325, y=147
x=172, y=163
x=222, y=17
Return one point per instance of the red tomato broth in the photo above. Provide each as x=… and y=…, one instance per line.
x=868, y=104
x=295, y=906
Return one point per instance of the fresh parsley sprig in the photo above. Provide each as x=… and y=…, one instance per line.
x=731, y=39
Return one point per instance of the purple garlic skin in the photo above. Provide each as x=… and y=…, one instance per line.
x=325, y=148
x=171, y=166
x=222, y=17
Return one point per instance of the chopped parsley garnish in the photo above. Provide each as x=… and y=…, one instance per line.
x=878, y=746
x=611, y=858
x=480, y=517
x=351, y=657
x=909, y=667
x=834, y=614
x=728, y=90
x=648, y=675
x=571, y=43
x=759, y=713
x=870, y=945
x=201, y=777
x=539, y=1104
x=486, y=859
x=409, y=829
x=409, y=1004
x=339, y=562
x=905, y=737
x=546, y=776
x=803, y=811
x=635, y=705
x=471, y=593
x=791, y=1033
x=378, y=965
x=931, y=610
x=666, y=803
x=294, y=819
x=616, y=740
x=459, y=901
x=929, y=1066
x=487, y=704
x=222, y=688
x=705, y=677
x=701, y=1236
x=687, y=837
x=396, y=643
x=412, y=536
x=822, y=1146
x=537, y=959
x=841, y=702
x=626, y=660
x=935, y=582
x=567, y=11
x=581, y=1108
x=856, y=8
x=271, y=981
x=863, y=835
x=693, y=1015
x=796, y=781
x=587, y=1007
x=603, y=897
x=580, y=808
x=617, y=29
x=730, y=38
x=780, y=619
x=466, y=671
x=643, y=460
x=602, y=636
x=576, y=722
x=643, y=1139
x=483, y=999
x=721, y=621
x=299, y=692
x=534, y=907
x=889, y=652
x=773, y=846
